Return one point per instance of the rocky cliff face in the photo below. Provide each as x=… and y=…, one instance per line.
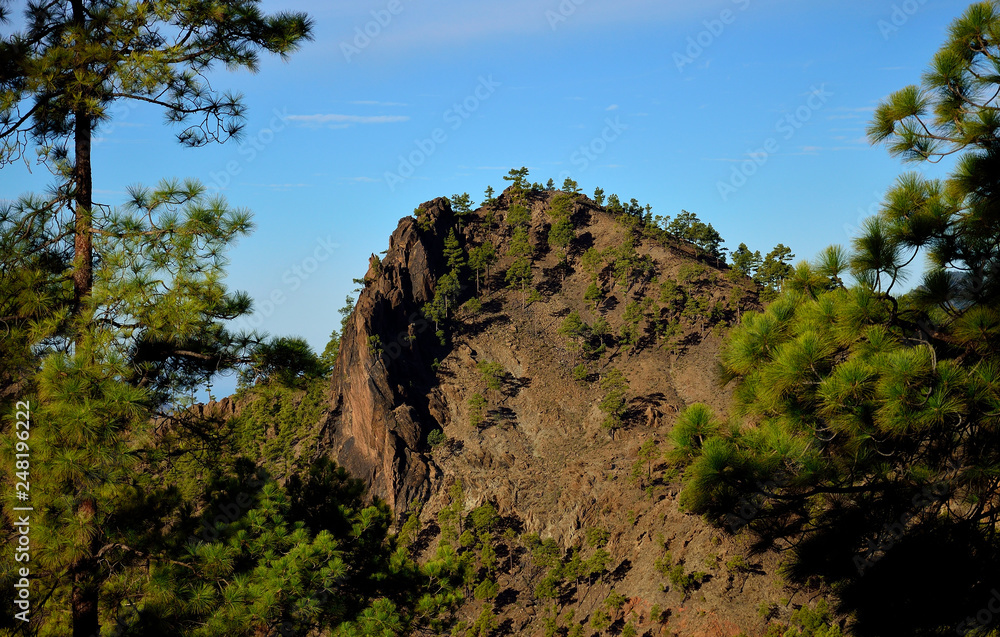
x=379, y=414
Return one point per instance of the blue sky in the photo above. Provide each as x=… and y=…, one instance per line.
x=661, y=101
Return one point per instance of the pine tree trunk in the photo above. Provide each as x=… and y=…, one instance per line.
x=83, y=247
x=84, y=597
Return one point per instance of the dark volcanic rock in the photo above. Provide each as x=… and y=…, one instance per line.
x=379, y=416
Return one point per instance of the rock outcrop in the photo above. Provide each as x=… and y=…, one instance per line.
x=379, y=413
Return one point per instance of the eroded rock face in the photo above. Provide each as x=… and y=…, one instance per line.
x=380, y=415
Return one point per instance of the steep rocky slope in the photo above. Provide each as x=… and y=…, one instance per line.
x=541, y=457
x=380, y=414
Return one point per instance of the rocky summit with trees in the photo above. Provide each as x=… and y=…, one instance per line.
x=545, y=414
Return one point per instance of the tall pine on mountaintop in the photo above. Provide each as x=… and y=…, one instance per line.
x=872, y=435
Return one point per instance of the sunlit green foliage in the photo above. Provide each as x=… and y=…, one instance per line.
x=874, y=410
x=481, y=259
x=454, y=253
x=477, y=410
x=614, y=404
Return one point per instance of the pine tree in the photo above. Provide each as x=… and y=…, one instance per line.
x=331, y=351
x=448, y=287
x=574, y=328
x=140, y=320
x=462, y=206
x=871, y=443
x=773, y=271
x=614, y=206
x=745, y=262
x=561, y=234
x=493, y=375
x=446, y=291
x=615, y=401
x=518, y=217
x=561, y=207
x=149, y=331
x=477, y=410
x=599, y=196
x=689, y=228
x=519, y=274
x=105, y=492
x=570, y=186
x=518, y=178
x=435, y=311
x=75, y=59
x=629, y=333
x=648, y=453
x=453, y=252
x=345, y=312
x=593, y=262
x=288, y=361
x=594, y=294
x=481, y=259
x=626, y=261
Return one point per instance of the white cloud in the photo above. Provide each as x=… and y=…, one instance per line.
x=613, y=107
x=335, y=118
